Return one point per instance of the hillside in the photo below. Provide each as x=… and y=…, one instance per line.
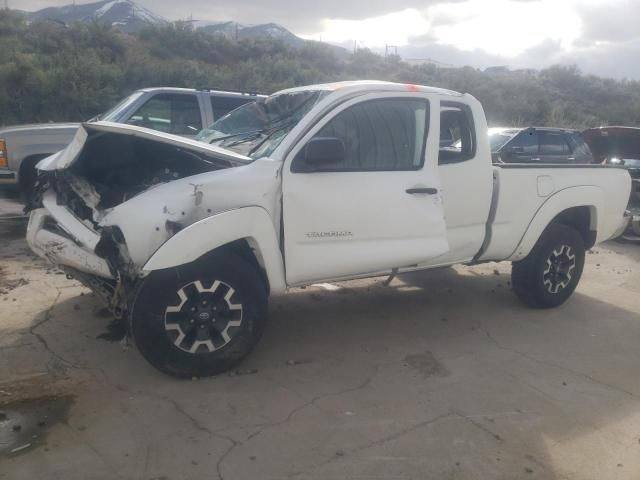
x=50, y=71
x=127, y=16
x=122, y=14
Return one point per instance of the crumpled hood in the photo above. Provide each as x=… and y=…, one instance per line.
x=69, y=155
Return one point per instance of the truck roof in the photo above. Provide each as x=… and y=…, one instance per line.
x=233, y=93
x=514, y=130
x=365, y=85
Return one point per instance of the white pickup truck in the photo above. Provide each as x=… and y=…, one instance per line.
x=188, y=238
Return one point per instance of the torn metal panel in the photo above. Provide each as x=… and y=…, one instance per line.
x=66, y=157
x=62, y=250
x=83, y=235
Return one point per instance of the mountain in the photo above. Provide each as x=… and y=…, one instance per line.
x=238, y=31
x=129, y=17
x=122, y=14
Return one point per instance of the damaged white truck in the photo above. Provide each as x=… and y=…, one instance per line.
x=188, y=238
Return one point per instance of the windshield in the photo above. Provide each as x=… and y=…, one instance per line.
x=113, y=114
x=256, y=129
x=498, y=139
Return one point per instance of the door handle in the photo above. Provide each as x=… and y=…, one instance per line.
x=423, y=190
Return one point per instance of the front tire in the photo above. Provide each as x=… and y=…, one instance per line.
x=200, y=319
x=547, y=277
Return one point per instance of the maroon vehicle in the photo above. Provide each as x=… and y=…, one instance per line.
x=620, y=146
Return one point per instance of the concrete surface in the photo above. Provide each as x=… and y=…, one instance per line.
x=10, y=205
x=441, y=375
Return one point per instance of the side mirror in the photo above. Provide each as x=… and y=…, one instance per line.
x=319, y=154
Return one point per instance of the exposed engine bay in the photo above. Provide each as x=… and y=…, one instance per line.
x=120, y=167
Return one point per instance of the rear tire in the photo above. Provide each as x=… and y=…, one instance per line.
x=29, y=174
x=200, y=319
x=548, y=276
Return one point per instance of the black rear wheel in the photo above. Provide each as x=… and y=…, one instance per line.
x=550, y=273
x=29, y=174
x=200, y=319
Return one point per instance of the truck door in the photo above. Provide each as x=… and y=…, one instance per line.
x=361, y=192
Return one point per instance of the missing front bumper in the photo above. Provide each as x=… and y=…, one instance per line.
x=55, y=234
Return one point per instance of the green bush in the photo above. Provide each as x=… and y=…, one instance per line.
x=54, y=72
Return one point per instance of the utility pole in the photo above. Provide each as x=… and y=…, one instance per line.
x=388, y=49
x=6, y=4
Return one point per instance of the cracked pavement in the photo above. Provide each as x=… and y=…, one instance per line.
x=439, y=375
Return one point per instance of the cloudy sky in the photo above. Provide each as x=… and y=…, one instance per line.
x=600, y=36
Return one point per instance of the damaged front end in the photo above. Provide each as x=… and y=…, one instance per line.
x=92, y=215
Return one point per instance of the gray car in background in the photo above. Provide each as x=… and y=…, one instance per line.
x=538, y=145
x=180, y=111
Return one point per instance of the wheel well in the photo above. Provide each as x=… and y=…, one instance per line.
x=28, y=164
x=243, y=249
x=583, y=220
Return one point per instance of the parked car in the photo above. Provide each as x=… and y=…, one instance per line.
x=187, y=239
x=180, y=111
x=538, y=145
x=620, y=146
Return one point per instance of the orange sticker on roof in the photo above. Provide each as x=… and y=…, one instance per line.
x=335, y=86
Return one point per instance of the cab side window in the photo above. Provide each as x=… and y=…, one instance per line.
x=457, y=134
x=378, y=135
x=171, y=113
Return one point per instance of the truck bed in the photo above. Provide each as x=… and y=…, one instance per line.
x=512, y=232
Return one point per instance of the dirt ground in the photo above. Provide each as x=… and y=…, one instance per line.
x=440, y=375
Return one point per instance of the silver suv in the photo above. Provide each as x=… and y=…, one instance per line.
x=180, y=111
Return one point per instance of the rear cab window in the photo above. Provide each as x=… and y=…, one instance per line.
x=457, y=133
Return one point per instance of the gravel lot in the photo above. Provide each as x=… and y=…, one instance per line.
x=440, y=375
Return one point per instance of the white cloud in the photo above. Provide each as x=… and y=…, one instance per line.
x=499, y=27
x=390, y=29
x=508, y=27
